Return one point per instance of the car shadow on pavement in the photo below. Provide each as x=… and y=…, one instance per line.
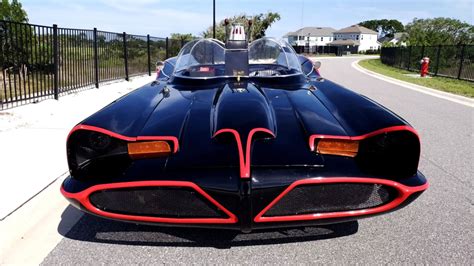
x=99, y=230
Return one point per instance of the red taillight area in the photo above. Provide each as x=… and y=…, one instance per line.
x=148, y=149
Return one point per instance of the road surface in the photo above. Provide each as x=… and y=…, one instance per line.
x=437, y=228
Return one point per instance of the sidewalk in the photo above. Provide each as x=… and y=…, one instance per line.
x=33, y=139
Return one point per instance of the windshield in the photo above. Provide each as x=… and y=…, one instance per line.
x=265, y=57
x=271, y=51
x=204, y=52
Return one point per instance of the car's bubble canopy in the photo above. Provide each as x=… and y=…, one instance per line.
x=200, y=52
x=272, y=51
x=204, y=58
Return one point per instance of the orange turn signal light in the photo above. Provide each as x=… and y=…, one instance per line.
x=340, y=147
x=148, y=149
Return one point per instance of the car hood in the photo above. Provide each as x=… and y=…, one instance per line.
x=283, y=118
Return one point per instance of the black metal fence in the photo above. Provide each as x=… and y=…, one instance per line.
x=316, y=49
x=40, y=62
x=329, y=49
x=453, y=61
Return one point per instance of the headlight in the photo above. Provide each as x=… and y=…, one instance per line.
x=92, y=153
x=394, y=154
x=391, y=154
x=87, y=149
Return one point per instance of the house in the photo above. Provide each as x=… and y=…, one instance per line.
x=355, y=39
x=310, y=37
x=399, y=38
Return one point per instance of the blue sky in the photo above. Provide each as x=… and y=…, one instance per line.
x=162, y=17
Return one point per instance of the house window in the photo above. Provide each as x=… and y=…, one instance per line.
x=322, y=38
x=361, y=37
x=357, y=37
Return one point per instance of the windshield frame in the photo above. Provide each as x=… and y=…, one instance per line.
x=284, y=48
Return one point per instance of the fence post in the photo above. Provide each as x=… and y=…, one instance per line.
x=96, y=60
x=409, y=58
x=125, y=54
x=401, y=56
x=167, y=46
x=148, y=51
x=438, y=53
x=56, y=62
x=462, y=61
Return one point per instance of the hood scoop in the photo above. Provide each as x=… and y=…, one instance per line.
x=241, y=106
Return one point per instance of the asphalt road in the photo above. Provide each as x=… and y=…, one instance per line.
x=437, y=228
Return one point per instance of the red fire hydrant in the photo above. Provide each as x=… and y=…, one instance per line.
x=425, y=63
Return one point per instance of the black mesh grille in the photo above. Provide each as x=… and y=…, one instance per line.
x=332, y=198
x=166, y=202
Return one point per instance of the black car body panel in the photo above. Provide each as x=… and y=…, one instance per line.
x=245, y=147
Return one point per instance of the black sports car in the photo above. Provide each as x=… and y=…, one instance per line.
x=243, y=136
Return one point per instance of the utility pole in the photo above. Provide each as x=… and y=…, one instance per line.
x=214, y=19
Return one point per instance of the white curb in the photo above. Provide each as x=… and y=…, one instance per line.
x=436, y=93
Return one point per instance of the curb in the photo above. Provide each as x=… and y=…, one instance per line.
x=361, y=57
x=436, y=93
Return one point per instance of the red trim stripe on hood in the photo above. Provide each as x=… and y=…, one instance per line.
x=244, y=162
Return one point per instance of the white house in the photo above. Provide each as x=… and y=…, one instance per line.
x=310, y=36
x=355, y=39
x=399, y=38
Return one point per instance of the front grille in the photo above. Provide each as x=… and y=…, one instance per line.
x=321, y=198
x=166, y=202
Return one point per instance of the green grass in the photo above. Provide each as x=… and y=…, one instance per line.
x=460, y=87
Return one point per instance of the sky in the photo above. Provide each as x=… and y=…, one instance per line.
x=160, y=18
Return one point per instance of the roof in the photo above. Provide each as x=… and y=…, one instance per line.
x=312, y=31
x=400, y=35
x=385, y=39
x=344, y=42
x=356, y=29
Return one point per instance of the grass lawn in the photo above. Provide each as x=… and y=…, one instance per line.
x=461, y=87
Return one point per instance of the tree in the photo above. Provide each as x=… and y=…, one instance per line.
x=15, y=53
x=439, y=31
x=260, y=23
x=185, y=37
x=12, y=11
x=176, y=41
x=385, y=27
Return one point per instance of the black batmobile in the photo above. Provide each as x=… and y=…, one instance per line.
x=242, y=136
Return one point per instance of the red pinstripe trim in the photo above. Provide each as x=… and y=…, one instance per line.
x=249, y=144
x=244, y=163
x=312, y=138
x=404, y=193
x=83, y=198
x=173, y=139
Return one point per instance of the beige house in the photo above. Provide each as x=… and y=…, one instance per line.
x=356, y=39
x=312, y=36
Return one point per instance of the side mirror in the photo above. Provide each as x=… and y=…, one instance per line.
x=309, y=67
x=317, y=65
x=159, y=65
